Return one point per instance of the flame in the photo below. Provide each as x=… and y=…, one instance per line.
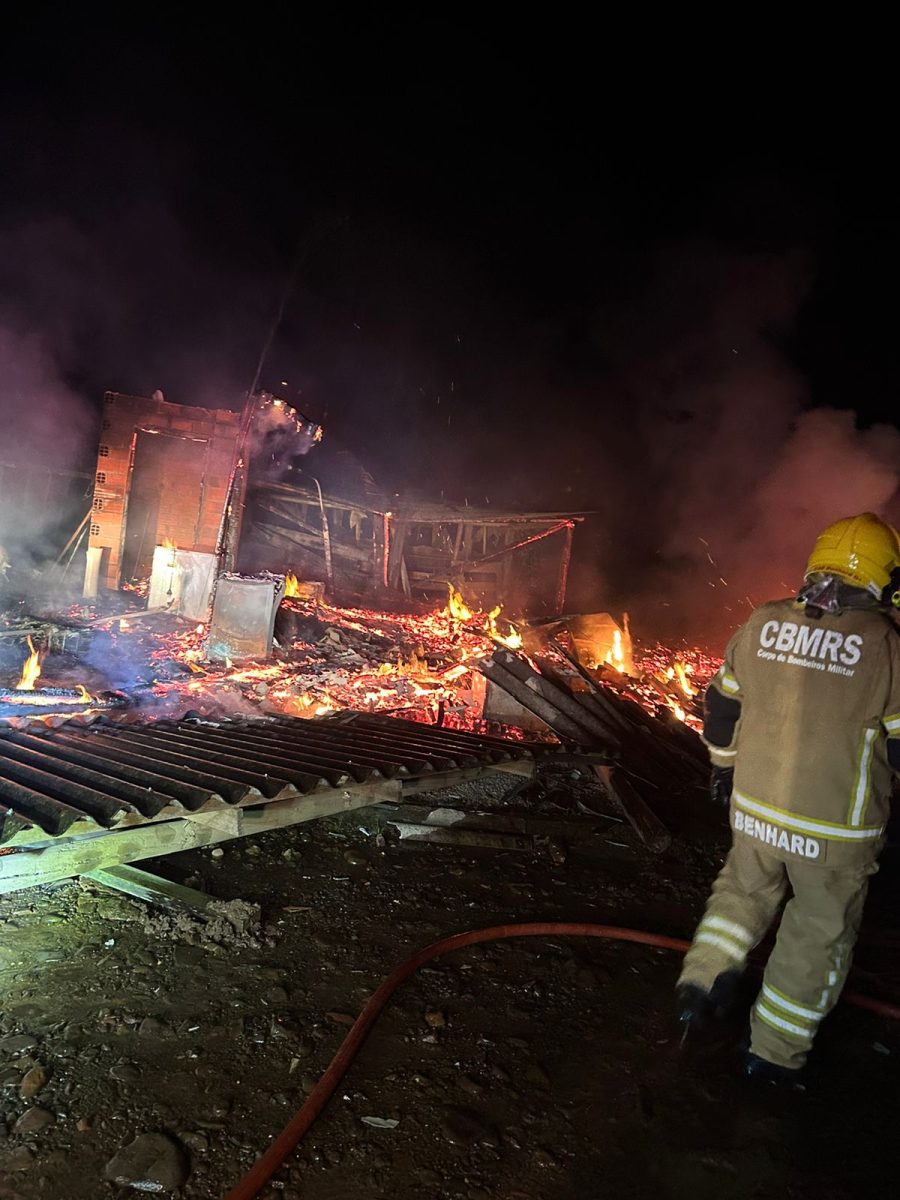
x=616, y=657
x=512, y=640
x=456, y=606
x=31, y=669
x=291, y=585
x=681, y=671
x=168, y=544
x=458, y=610
x=85, y=694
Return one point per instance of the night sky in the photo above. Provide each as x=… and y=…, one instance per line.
x=507, y=286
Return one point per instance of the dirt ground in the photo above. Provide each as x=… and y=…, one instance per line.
x=532, y=1070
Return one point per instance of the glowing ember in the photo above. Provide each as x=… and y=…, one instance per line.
x=31, y=670
x=421, y=666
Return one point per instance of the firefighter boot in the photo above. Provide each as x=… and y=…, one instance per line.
x=760, y=1070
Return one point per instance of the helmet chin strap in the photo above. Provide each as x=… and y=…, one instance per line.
x=891, y=594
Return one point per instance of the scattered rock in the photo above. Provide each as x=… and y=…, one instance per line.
x=217, y=852
x=462, y=1127
x=470, y=1085
x=153, y=1162
x=537, y=1076
x=197, y=1143
x=83, y=1124
x=380, y=1122
x=151, y=1027
x=17, y=1043
x=21, y=1159
x=354, y=858
x=124, y=1073
x=435, y=1019
x=33, y=1082
x=340, y=1018
x=543, y=1158
x=33, y=1120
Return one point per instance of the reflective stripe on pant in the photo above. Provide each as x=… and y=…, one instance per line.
x=745, y=898
x=808, y=967
x=812, y=953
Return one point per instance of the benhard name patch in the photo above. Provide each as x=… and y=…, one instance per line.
x=777, y=838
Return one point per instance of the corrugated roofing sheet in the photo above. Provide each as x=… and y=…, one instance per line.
x=112, y=774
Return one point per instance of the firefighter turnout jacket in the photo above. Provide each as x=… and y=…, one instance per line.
x=806, y=709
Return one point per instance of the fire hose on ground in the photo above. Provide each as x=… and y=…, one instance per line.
x=293, y=1133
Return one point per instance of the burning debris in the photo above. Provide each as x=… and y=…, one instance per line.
x=423, y=666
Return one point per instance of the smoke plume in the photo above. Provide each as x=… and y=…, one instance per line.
x=735, y=473
x=47, y=432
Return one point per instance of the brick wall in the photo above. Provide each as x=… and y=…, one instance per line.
x=192, y=501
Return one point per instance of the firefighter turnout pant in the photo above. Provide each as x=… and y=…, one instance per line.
x=813, y=949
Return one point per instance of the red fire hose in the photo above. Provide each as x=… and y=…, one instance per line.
x=289, y=1138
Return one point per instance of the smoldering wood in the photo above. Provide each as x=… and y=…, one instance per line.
x=679, y=749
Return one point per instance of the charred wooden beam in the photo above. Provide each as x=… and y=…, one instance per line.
x=561, y=724
x=562, y=700
x=635, y=809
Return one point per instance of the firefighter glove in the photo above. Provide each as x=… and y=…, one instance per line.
x=721, y=781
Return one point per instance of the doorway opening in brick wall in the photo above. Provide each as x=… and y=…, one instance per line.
x=164, y=498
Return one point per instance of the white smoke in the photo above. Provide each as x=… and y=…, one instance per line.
x=48, y=431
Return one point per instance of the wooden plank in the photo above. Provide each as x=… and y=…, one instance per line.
x=559, y=722
x=638, y=812
x=449, y=836
x=522, y=824
x=398, y=539
x=67, y=857
x=144, y=886
x=561, y=700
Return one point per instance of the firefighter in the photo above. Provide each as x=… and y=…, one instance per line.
x=802, y=724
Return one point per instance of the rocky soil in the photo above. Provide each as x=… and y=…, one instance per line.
x=142, y=1052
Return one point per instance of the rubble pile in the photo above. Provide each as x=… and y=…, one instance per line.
x=422, y=666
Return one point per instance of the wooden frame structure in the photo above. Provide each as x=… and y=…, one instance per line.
x=416, y=550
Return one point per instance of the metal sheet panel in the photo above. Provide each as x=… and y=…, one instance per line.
x=106, y=774
x=243, y=619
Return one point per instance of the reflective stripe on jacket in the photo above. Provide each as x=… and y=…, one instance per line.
x=806, y=708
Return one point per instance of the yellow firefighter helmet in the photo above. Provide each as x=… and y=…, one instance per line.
x=863, y=551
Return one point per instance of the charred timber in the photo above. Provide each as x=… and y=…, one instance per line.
x=561, y=724
x=561, y=699
x=635, y=809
